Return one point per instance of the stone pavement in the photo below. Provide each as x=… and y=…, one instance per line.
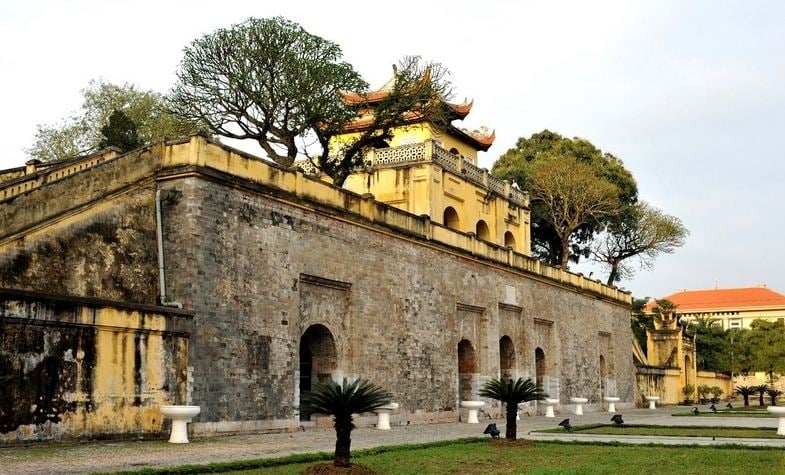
x=129, y=455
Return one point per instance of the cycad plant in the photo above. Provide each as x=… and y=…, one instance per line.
x=774, y=394
x=512, y=393
x=342, y=401
x=761, y=391
x=746, y=392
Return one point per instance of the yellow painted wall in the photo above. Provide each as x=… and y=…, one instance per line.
x=135, y=365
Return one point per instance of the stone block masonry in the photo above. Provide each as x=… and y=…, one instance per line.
x=292, y=281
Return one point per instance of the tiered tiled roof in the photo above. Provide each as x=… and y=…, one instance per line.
x=454, y=111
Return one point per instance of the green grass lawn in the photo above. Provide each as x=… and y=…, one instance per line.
x=549, y=458
x=676, y=431
x=738, y=411
x=484, y=456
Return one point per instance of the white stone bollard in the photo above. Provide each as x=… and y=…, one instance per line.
x=652, y=401
x=579, y=402
x=181, y=416
x=779, y=411
x=611, y=403
x=473, y=407
x=384, y=415
x=549, y=403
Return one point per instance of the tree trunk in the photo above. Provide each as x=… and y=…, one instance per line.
x=511, y=431
x=746, y=400
x=613, y=274
x=565, y=254
x=343, y=443
x=760, y=400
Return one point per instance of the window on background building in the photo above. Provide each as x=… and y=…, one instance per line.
x=735, y=323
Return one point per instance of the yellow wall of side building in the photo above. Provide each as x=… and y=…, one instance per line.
x=132, y=373
x=737, y=318
x=427, y=189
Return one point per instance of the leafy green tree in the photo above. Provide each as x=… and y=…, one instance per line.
x=643, y=234
x=515, y=165
x=342, y=401
x=512, y=393
x=640, y=322
x=766, y=340
x=712, y=344
x=120, y=132
x=81, y=132
x=271, y=81
x=569, y=195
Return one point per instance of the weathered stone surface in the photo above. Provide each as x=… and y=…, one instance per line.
x=275, y=266
x=87, y=368
x=237, y=259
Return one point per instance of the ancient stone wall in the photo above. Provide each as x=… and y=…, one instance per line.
x=72, y=367
x=259, y=271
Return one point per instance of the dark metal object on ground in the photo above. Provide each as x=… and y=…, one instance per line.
x=713, y=408
x=566, y=424
x=492, y=430
x=617, y=419
x=695, y=410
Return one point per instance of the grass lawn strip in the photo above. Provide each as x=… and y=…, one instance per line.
x=483, y=456
x=675, y=431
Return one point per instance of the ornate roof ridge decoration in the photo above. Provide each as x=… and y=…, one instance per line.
x=455, y=111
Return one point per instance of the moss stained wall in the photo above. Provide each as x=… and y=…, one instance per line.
x=109, y=254
x=71, y=368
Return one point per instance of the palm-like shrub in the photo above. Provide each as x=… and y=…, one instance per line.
x=512, y=393
x=774, y=394
x=761, y=391
x=746, y=392
x=342, y=401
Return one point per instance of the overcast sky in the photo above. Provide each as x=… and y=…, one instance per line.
x=690, y=95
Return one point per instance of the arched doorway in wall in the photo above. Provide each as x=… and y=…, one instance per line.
x=603, y=377
x=482, y=230
x=467, y=369
x=506, y=358
x=509, y=240
x=451, y=219
x=318, y=360
x=539, y=366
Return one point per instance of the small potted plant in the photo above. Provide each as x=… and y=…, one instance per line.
x=774, y=394
x=716, y=392
x=688, y=391
x=703, y=393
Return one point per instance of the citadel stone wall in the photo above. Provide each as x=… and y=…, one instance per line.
x=259, y=271
x=274, y=265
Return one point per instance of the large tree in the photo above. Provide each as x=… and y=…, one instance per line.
x=516, y=165
x=642, y=234
x=271, y=81
x=712, y=344
x=569, y=194
x=264, y=79
x=81, y=132
x=120, y=132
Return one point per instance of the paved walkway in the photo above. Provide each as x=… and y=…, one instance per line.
x=118, y=456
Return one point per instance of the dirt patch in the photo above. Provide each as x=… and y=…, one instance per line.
x=525, y=444
x=330, y=469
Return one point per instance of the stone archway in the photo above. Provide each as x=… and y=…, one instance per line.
x=467, y=370
x=509, y=239
x=318, y=360
x=482, y=230
x=451, y=219
x=507, y=364
x=539, y=366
